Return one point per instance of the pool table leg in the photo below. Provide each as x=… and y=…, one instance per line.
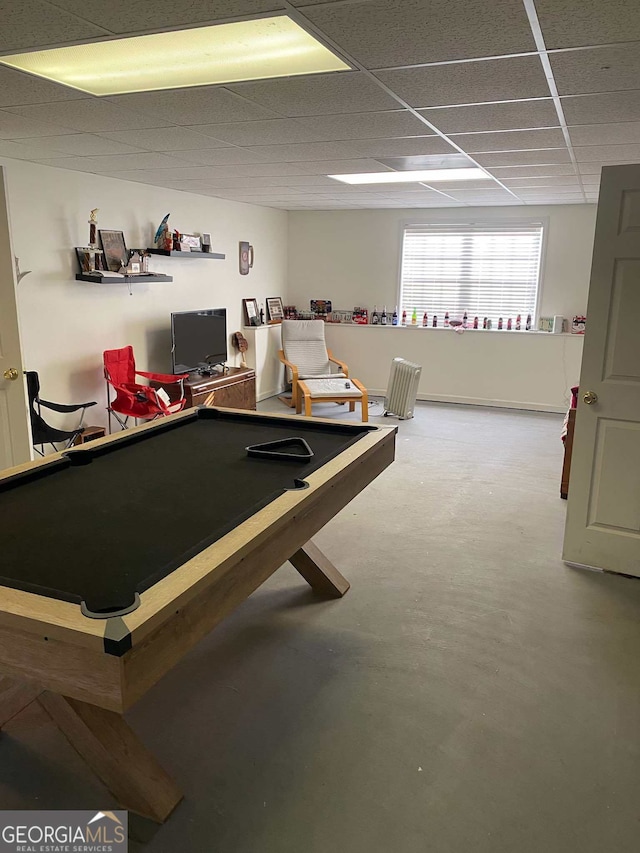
x=14, y=697
x=318, y=571
x=116, y=755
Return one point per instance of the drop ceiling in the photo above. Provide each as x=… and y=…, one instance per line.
x=540, y=93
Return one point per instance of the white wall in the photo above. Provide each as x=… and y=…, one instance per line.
x=67, y=324
x=353, y=258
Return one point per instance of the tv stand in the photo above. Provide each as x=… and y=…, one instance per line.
x=235, y=389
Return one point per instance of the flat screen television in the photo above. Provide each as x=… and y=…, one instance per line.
x=198, y=340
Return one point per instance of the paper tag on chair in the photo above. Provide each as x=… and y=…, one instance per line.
x=162, y=394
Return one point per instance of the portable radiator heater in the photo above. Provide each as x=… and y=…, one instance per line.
x=402, y=388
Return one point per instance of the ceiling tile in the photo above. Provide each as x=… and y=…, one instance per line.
x=87, y=114
x=608, y=69
x=574, y=23
x=560, y=180
x=18, y=88
x=469, y=82
x=307, y=151
x=384, y=33
x=509, y=140
x=24, y=149
x=151, y=176
x=78, y=144
x=265, y=169
x=203, y=105
x=221, y=156
x=317, y=94
x=608, y=153
x=365, y=125
x=523, y=158
x=17, y=127
x=540, y=191
x=164, y=139
x=508, y=115
x=124, y=16
x=117, y=163
x=272, y=131
x=38, y=23
x=601, y=109
x=532, y=171
x=413, y=146
x=606, y=134
x=339, y=167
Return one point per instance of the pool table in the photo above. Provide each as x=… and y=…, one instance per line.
x=119, y=556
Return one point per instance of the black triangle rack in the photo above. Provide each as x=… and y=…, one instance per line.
x=281, y=448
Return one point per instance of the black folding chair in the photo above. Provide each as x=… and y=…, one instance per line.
x=41, y=432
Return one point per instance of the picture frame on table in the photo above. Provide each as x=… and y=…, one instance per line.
x=251, y=313
x=115, y=251
x=275, y=309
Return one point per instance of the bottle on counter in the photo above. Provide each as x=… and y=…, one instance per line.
x=435, y=321
x=518, y=323
x=404, y=318
x=528, y=325
x=375, y=317
x=500, y=323
x=509, y=324
x=446, y=318
x=425, y=319
x=475, y=322
x=414, y=317
x=465, y=320
x=383, y=318
x=484, y=323
x=394, y=319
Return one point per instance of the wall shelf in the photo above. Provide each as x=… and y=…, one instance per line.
x=166, y=253
x=127, y=279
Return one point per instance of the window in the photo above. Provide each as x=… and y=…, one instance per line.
x=487, y=271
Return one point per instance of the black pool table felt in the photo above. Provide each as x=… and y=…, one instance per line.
x=100, y=532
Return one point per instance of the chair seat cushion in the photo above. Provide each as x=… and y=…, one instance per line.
x=333, y=387
x=321, y=376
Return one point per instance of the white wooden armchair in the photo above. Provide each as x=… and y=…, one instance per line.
x=305, y=355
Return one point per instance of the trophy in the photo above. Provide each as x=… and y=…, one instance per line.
x=92, y=250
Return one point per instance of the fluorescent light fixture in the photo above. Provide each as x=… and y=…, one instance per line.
x=427, y=176
x=244, y=50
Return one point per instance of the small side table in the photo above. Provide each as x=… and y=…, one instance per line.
x=88, y=434
x=345, y=390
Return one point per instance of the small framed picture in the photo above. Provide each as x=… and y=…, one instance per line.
x=192, y=241
x=115, y=251
x=275, y=309
x=251, y=315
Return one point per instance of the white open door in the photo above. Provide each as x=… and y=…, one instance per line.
x=603, y=512
x=14, y=425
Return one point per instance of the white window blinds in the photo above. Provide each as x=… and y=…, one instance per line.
x=487, y=271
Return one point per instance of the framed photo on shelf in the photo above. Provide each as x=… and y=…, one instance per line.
x=251, y=315
x=115, y=251
x=191, y=242
x=275, y=309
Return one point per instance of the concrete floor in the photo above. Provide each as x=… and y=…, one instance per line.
x=470, y=694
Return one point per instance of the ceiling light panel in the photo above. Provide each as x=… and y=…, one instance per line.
x=426, y=175
x=244, y=50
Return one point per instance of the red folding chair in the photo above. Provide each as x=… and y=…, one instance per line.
x=133, y=400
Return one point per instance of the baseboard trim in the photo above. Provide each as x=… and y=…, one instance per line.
x=264, y=395
x=480, y=401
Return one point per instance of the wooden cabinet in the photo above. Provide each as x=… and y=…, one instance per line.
x=236, y=389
